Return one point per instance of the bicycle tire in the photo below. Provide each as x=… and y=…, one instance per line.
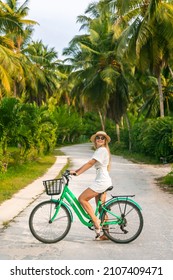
x=44, y=230
x=131, y=226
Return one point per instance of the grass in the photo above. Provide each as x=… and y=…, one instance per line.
x=6, y=224
x=166, y=182
x=135, y=157
x=19, y=176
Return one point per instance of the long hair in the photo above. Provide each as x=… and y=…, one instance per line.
x=107, y=147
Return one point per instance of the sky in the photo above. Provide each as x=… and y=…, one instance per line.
x=57, y=21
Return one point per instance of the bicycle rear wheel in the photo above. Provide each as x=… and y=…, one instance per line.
x=128, y=227
x=43, y=229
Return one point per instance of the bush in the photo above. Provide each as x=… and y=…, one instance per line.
x=154, y=138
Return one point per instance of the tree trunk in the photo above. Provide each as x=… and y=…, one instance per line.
x=129, y=131
x=15, y=89
x=118, y=132
x=102, y=119
x=161, y=97
x=170, y=71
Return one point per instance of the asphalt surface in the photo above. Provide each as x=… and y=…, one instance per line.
x=154, y=243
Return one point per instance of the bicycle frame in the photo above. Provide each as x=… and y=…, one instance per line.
x=81, y=213
x=76, y=206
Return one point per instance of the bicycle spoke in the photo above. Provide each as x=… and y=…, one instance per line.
x=127, y=224
x=43, y=228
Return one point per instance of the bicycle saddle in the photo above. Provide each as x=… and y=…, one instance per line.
x=109, y=189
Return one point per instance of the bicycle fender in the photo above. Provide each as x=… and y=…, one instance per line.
x=124, y=199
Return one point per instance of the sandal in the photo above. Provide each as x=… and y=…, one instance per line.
x=101, y=238
x=97, y=231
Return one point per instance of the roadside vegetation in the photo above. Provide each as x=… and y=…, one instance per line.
x=20, y=175
x=117, y=76
x=166, y=183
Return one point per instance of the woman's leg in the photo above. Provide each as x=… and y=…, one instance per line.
x=84, y=201
x=103, y=199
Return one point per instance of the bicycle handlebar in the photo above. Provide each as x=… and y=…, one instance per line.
x=67, y=174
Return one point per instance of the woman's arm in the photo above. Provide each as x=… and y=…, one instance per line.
x=84, y=167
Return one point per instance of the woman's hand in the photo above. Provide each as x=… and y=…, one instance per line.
x=73, y=172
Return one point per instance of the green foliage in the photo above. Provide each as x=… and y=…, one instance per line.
x=154, y=137
x=115, y=65
x=91, y=123
x=166, y=182
x=136, y=135
x=9, y=120
x=168, y=179
x=68, y=124
x=117, y=147
x=26, y=126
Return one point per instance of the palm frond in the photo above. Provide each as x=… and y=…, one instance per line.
x=4, y=78
x=87, y=48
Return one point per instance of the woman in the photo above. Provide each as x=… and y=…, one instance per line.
x=101, y=161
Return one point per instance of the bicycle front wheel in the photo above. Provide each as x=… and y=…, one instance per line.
x=45, y=230
x=124, y=221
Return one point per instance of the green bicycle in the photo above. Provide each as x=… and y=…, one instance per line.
x=50, y=221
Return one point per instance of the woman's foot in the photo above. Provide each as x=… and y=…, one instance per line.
x=97, y=227
x=97, y=223
x=102, y=238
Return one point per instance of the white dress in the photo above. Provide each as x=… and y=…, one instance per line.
x=102, y=180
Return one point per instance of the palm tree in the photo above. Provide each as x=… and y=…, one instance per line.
x=42, y=81
x=14, y=30
x=97, y=70
x=20, y=33
x=8, y=62
x=65, y=84
x=145, y=31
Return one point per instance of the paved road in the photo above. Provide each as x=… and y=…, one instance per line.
x=155, y=241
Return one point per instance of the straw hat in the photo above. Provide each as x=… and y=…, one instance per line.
x=100, y=133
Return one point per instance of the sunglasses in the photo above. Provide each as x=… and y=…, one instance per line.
x=100, y=137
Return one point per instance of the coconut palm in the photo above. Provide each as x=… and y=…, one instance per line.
x=97, y=69
x=42, y=82
x=14, y=30
x=146, y=29
x=20, y=33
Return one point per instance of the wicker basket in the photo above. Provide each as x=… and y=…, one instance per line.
x=53, y=187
